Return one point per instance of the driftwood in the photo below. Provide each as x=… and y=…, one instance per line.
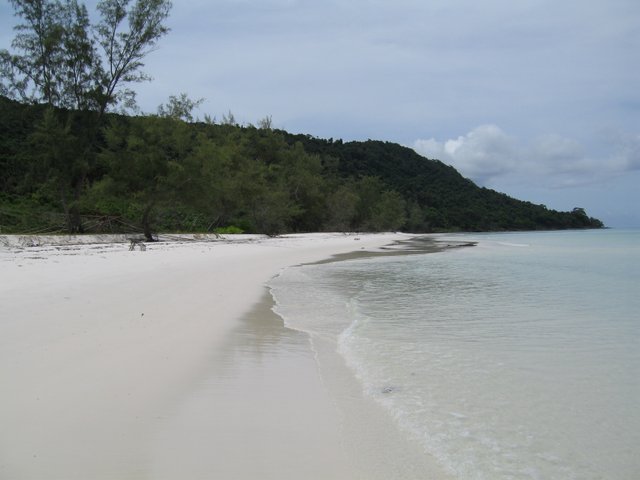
x=137, y=242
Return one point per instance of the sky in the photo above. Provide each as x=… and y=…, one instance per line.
x=539, y=99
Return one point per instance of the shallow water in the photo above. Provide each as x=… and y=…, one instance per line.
x=517, y=358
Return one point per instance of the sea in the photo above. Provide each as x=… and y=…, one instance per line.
x=515, y=358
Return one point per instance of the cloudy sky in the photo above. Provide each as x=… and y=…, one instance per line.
x=536, y=98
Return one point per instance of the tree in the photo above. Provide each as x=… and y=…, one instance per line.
x=32, y=76
x=266, y=123
x=49, y=148
x=146, y=160
x=62, y=60
x=179, y=107
x=229, y=119
x=388, y=212
x=368, y=190
x=341, y=209
x=58, y=60
x=79, y=55
x=125, y=49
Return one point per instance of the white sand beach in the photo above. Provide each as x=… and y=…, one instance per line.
x=102, y=349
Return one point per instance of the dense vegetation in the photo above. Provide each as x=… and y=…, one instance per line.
x=163, y=173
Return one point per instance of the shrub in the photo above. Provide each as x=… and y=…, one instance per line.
x=230, y=230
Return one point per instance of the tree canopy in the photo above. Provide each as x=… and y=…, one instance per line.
x=62, y=60
x=162, y=173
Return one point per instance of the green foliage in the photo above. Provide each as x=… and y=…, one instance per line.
x=61, y=59
x=388, y=212
x=342, y=204
x=437, y=198
x=230, y=230
x=160, y=173
x=180, y=107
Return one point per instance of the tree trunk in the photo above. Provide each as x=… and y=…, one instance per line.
x=74, y=221
x=146, y=224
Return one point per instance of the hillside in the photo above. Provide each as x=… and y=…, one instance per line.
x=69, y=171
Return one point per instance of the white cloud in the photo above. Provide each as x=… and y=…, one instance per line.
x=487, y=154
x=482, y=154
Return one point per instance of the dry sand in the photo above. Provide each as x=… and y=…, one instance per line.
x=101, y=348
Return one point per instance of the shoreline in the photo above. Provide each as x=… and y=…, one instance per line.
x=377, y=447
x=99, y=344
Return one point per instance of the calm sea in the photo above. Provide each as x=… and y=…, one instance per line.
x=518, y=358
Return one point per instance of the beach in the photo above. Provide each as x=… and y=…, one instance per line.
x=320, y=356
x=107, y=356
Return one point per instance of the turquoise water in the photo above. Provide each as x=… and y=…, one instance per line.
x=517, y=358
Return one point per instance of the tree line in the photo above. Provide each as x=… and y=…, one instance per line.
x=160, y=172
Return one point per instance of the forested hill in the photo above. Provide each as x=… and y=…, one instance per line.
x=436, y=195
x=63, y=170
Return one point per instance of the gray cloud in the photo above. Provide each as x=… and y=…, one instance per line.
x=431, y=66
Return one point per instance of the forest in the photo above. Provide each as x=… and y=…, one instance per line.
x=162, y=173
x=70, y=163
